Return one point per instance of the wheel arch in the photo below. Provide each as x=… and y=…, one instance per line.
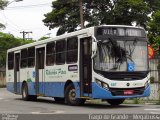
x=23, y=83
x=67, y=83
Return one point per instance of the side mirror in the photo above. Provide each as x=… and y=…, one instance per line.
x=94, y=49
x=94, y=46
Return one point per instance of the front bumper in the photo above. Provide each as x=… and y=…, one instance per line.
x=100, y=93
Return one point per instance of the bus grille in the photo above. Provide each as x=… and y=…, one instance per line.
x=120, y=91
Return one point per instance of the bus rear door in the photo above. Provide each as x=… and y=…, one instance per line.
x=16, y=73
x=40, y=56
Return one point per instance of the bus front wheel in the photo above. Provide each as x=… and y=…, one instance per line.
x=115, y=101
x=25, y=95
x=70, y=96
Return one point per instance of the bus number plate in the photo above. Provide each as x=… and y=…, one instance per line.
x=128, y=92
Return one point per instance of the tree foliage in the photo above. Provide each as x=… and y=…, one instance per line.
x=146, y=13
x=8, y=41
x=65, y=14
x=43, y=38
x=154, y=30
x=3, y=3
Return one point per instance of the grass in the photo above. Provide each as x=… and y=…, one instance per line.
x=141, y=101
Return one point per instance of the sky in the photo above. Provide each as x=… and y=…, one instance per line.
x=27, y=15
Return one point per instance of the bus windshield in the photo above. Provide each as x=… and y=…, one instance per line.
x=121, y=55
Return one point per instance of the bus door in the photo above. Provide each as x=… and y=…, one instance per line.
x=16, y=73
x=85, y=66
x=40, y=55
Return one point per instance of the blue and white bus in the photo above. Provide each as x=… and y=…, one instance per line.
x=103, y=62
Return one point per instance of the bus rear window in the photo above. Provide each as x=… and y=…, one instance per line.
x=31, y=57
x=10, y=61
x=24, y=59
x=50, y=54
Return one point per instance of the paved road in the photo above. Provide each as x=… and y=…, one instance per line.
x=13, y=104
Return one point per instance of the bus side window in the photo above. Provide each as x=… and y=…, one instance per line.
x=50, y=54
x=60, y=52
x=10, y=60
x=72, y=50
x=24, y=60
x=31, y=57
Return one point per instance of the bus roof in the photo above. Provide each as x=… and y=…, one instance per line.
x=80, y=32
x=87, y=31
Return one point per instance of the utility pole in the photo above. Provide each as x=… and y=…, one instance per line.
x=25, y=33
x=81, y=13
x=159, y=72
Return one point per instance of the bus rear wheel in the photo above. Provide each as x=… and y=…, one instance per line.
x=70, y=96
x=115, y=101
x=25, y=95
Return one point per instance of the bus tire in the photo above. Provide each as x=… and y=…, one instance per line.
x=115, y=101
x=70, y=96
x=25, y=95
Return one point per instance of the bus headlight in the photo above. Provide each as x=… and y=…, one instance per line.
x=98, y=82
x=105, y=85
x=102, y=84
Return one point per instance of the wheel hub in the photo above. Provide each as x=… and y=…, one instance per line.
x=72, y=94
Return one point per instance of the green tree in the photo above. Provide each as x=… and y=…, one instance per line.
x=3, y=3
x=154, y=30
x=154, y=37
x=43, y=38
x=65, y=14
x=153, y=5
x=8, y=41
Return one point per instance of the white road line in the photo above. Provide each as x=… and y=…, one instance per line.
x=153, y=109
x=55, y=112
x=154, y=112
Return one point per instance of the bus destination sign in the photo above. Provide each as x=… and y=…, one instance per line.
x=120, y=31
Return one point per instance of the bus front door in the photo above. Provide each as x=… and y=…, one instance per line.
x=16, y=73
x=40, y=55
x=85, y=67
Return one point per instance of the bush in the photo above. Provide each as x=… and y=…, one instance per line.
x=152, y=79
x=136, y=101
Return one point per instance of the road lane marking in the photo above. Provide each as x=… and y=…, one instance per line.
x=153, y=109
x=49, y=112
x=1, y=98
x=154, y=112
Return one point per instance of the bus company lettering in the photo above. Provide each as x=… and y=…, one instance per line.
x=55, y=72
x=113, y=84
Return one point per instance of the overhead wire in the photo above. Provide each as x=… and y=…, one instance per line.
x=28, y=6
x=15, y=27
x=8, y=21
